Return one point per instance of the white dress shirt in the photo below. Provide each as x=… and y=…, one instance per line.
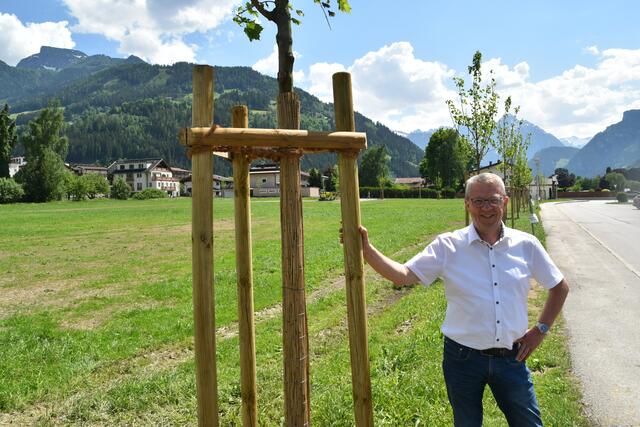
x=486, y=286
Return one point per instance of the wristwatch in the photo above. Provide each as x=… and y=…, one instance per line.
x=542, y=327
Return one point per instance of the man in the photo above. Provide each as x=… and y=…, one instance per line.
x=486, y=268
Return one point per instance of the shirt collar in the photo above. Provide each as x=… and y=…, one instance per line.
x=472, y=234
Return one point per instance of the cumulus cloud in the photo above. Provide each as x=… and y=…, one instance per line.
x=18, y=41
x=395, y=87
x=580, y=101
x=151, y=29
x=392, y=86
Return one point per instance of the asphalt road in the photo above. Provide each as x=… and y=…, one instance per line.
x=596, y=244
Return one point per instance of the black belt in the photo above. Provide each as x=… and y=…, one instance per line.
x=494, y=352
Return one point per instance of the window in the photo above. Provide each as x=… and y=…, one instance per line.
x=129, y=177
x=264, y=180
x=140, y=165
x=130, y=166
x=121, y=167
x=139, y=186
x=148, y=184
x=139, y=175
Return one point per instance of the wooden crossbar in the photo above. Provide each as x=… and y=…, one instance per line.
x=227, y=139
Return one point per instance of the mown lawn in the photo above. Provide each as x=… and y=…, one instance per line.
x=96, y=317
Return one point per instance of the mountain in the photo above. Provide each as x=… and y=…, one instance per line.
x=574, y=141
x=52, y=58
x=540, y=139
x=419, y=137
x=117, y=108
x=551, y=158
x=618, y=146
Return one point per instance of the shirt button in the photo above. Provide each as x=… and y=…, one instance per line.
x=490, y=249
x=493, y=265
x=495, y=284
x=497, y=339
x=497, y=302
x=498, y=321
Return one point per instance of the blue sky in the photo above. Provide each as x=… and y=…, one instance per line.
x=573, y=66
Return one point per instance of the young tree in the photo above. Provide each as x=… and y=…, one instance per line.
x=96, y=184
x=247, y=16
x=8, y=140
x=315, y=178
x=120, y=189
x=45, y=149
x=509, y=142
x=445, y=158
x=374, y=167
x=333, y=182
x=477, y=111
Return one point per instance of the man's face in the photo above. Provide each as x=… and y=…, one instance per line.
x=486, y=204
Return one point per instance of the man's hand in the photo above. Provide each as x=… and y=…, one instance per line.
x=364, y=233
x=528, y=343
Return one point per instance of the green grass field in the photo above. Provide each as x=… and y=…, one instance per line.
x=96, y=323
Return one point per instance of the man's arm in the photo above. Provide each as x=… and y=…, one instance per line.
x=533, y=337
x=392, y=270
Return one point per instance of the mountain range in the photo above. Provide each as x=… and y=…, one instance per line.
x=126, y=108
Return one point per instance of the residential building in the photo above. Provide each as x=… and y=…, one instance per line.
x=264, y=181
x=222, y=186
x=83, y=169
x=15, y=164
x=141, y=174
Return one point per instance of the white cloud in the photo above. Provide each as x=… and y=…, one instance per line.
x=392, y=86
x=581, y=101
x=406, y=93
x=18, y=41
x=151, y=29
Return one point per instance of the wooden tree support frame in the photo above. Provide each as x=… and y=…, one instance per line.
x=286, y=144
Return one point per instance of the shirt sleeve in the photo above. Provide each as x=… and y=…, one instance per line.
x=427, y=265
x=543, y=269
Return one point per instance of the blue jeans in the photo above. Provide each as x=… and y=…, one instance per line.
x=467, y=372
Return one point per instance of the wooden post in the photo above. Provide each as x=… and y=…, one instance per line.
x=354, y=262
x=244, y=271
x=297, y=410
x=202, y=253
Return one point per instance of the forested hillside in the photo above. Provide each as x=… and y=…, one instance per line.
x=128, y=108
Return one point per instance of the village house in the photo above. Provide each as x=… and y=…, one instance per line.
x=15, y=164
x=222, y=186
x=264, y=181
x=83, y=169
x=141, y=174
x=539, y=188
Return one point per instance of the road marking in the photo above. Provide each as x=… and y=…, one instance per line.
x=625, y=263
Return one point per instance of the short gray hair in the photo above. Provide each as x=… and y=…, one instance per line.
x=485, y=178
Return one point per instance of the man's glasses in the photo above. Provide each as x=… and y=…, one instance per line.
x=494, y=202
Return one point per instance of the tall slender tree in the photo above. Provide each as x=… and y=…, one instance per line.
x=46, y=149
x=509, y=142
x=8, y=140
x=475, y=117
x=445, y=158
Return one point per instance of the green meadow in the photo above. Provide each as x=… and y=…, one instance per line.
x=96, y=321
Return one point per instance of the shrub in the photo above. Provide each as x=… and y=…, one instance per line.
x=10, y=191
x=399, y=193
x=120, y=190
x=327, y=196
x=77, y=187
x=448, y=193
x=622, y=197
x=150, y=193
